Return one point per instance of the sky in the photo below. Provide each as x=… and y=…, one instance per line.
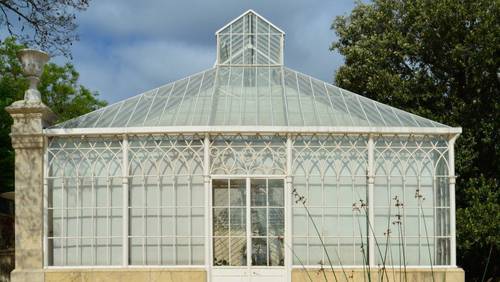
x=127, y=47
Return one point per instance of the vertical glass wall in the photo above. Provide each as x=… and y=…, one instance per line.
x=329, y=179
x=412, y=203
x=84, y=207
x=166, y=201
x=164, y=182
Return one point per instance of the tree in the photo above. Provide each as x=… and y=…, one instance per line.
x=60, y=91
x=46, y=24
x=438, y=59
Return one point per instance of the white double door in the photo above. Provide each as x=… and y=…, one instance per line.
x=248, y=229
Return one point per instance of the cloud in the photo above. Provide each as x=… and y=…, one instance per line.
x=125, y=70
x=128, y=47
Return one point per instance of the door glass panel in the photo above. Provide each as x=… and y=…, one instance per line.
x=259, y=221
x=221, y=251
x=276, y=222
x=238, y=251
x=238, y=222
x=237, y=192
x=221, y=221
x=220, y=193
x=259, y=251
x=259, y=192
x=276, y=252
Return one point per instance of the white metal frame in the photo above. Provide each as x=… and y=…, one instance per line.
x=448, y=131
x=452, y=134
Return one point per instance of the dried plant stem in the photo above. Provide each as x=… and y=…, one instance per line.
x=299, y=260
x=365, y=262
x=387, y=244
x=487, y=263
x=428, y=244
x=302, y=200
x=376, y=241
x=399, y=251
x=324, y=273
x=403, y=249
x=323, y=244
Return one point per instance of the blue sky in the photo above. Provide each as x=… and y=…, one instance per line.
x=128, y=47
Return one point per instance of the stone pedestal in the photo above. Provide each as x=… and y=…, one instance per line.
x=28, y=141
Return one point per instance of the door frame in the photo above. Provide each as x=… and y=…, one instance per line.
x=287, y=225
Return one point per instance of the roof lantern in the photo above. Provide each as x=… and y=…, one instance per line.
x=250, y=39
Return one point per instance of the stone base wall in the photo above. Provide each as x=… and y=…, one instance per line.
x=199, y=275
x=125, y=275
x=355, y=275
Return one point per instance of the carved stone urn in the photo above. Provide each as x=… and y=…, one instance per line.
x=32, y=62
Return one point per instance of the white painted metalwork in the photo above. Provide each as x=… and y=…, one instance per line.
x=331, y=163
x=452, y=179
x=248, y=155
x=288, y=209
x=254, y=130
x=45, y=203
x=371, y=203
x=125, y=203
x=208, y=206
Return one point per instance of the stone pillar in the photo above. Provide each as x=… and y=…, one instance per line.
x=30, y=117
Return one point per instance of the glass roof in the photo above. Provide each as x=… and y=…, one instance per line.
x=249, y=86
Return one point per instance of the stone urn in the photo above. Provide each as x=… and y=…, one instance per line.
x=32, y=62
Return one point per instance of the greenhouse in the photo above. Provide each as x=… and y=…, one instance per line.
x=249, y=171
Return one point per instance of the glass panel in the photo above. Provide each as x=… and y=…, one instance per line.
x=238, y=222
x=221, y=251
x=237, y=192
x=198, y=251
x=220, y=193
x=259, y=192
x=259, y=222
x=276, y=192
x=259, y=251
x=276, y=252
x=220, y=222
x=238, y=251
x=276, y=222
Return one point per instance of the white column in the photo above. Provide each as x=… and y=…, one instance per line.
x=46, y=202
x=208, y=212
x=125, y=200
x=371, y=211
x=288, y=210
x=451, y=175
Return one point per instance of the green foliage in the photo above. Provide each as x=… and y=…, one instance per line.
x=60, y=91
x=438, y=59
